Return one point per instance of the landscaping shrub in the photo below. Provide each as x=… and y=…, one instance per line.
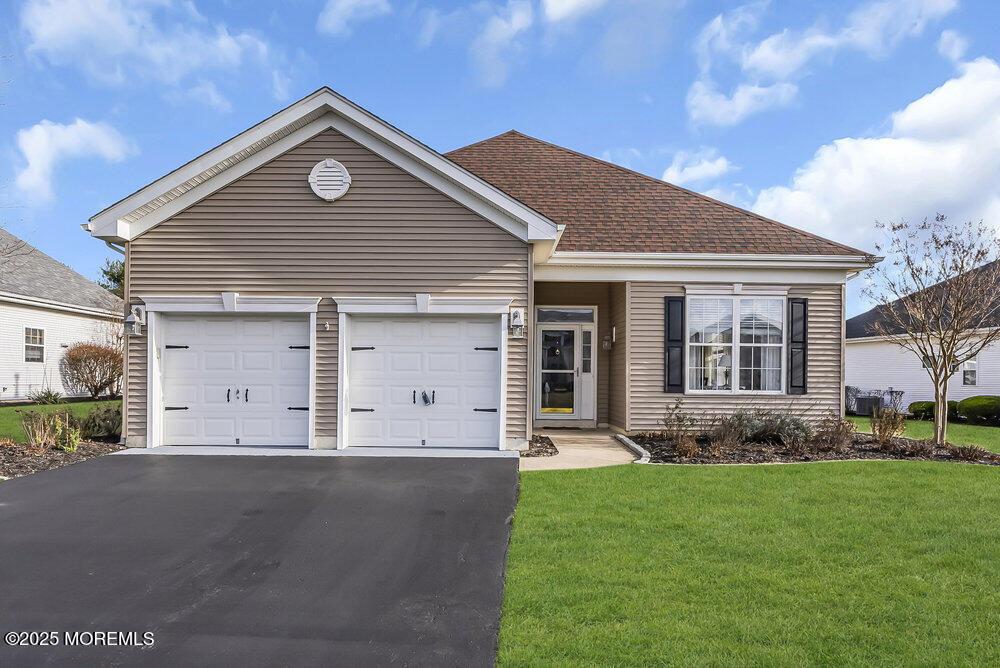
x=982, y=409
x=968, y=453
x=45, y=396
x=103, y=423
x=686, y=446
x=760, y=426
x=6, y=442
x=924, y=410
x=833, y=433
x=676, y=423
x=46, y=430
x=92, y=367
x=887, y=424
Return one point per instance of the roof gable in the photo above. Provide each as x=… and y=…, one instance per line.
x=320, y=111
x=607, y=208
x=31, y=273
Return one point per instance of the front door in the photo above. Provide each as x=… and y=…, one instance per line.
x=566, y=365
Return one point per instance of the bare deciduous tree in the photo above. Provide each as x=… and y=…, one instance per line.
x=938, y=295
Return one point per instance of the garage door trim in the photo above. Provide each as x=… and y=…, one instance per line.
x=231, y=303
x=417, y=304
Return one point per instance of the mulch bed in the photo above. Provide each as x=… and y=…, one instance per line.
x=540, y=446
x=19, y=460
x=862, y=447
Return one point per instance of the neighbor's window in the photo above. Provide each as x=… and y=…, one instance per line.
x=34, y=345
x=757, y=350
x=970, y=371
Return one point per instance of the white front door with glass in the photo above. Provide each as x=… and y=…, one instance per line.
x=567, y=364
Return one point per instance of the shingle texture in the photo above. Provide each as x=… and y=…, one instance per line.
x=609, y=208
x=862, y=325
x=31, y=273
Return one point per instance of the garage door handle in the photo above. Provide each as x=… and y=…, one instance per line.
x=176, y=347
x=246, y=396
x=298, y=408
x=494, y=348
x=228, y=390
x=298, y=347
x=414, y=397
x=485, y=410
x=362, y=347
x=175, y=408
x=362, y=410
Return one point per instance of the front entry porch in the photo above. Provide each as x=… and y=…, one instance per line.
x=580, y=449
x=578, y=358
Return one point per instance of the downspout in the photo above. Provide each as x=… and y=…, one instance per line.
x=117, y=249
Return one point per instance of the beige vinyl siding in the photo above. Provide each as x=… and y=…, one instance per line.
x=648, y=400
x=391, y=234
x=618, y=383
x=586, y=294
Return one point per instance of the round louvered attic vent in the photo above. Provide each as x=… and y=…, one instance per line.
x=329, y=179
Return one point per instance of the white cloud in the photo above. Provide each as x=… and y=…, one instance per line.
x=116, y=42
x=941, y=154
x=693, y=167
x=770, y=65
x=952, y=45
x=497, y=43
x=46, y=144
x=562, y=10
x=208, y=94
x=706, y=105
x=337, y=16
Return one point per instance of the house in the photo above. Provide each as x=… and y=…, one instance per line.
x=876, y=364
x=44, y=308
x=325, y=280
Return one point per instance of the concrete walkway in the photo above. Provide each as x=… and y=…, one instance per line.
x=579, y=449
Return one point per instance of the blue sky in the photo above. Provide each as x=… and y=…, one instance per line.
x=824, y=115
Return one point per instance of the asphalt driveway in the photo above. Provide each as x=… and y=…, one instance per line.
x=259, y=560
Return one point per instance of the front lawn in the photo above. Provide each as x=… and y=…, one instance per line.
x=836, y=563
x=10, y=421
x=959, y=434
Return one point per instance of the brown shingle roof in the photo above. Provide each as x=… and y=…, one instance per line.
x=609, y=208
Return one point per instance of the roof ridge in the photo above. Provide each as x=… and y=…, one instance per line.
x=661, y=182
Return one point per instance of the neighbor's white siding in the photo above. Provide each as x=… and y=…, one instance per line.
x=877, y=365
x=17, y=377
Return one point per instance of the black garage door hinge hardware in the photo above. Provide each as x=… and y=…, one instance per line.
x=175, y=408
x=362, y=347
x=298, y=408
x=494, y=348
x=362, y=410
x=298, y=347
x=485, y=410
x=169, y=347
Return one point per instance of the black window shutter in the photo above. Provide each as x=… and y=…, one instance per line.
x=673, y=344
x=798, y=344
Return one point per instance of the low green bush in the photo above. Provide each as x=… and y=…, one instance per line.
x=45, y=396
x=102, y=423
x=982, y=409
x=924, y=410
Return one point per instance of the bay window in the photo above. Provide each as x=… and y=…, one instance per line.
x=735, y=344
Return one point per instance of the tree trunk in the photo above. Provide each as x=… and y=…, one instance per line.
x=941, y=412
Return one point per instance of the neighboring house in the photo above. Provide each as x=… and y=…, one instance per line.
x=44, y=308
x=325, y=280
x=874, y=363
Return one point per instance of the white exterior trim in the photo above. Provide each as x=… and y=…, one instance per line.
x=424, y=304
x=58, y=306
x=587, y=258
x=202, y=176
x=160, y=304
x=747, y=274
x=217, y=304
x=737, y=290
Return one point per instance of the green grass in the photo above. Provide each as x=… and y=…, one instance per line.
x=959, y=434
x=10, y=421
x=846, y=563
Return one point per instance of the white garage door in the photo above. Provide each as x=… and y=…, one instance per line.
x=424, y=381
x=235, y=380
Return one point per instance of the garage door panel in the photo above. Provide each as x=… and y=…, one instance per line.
x=393, y=357
x=235, y=354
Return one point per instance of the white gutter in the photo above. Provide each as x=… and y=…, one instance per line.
x=588, y=259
